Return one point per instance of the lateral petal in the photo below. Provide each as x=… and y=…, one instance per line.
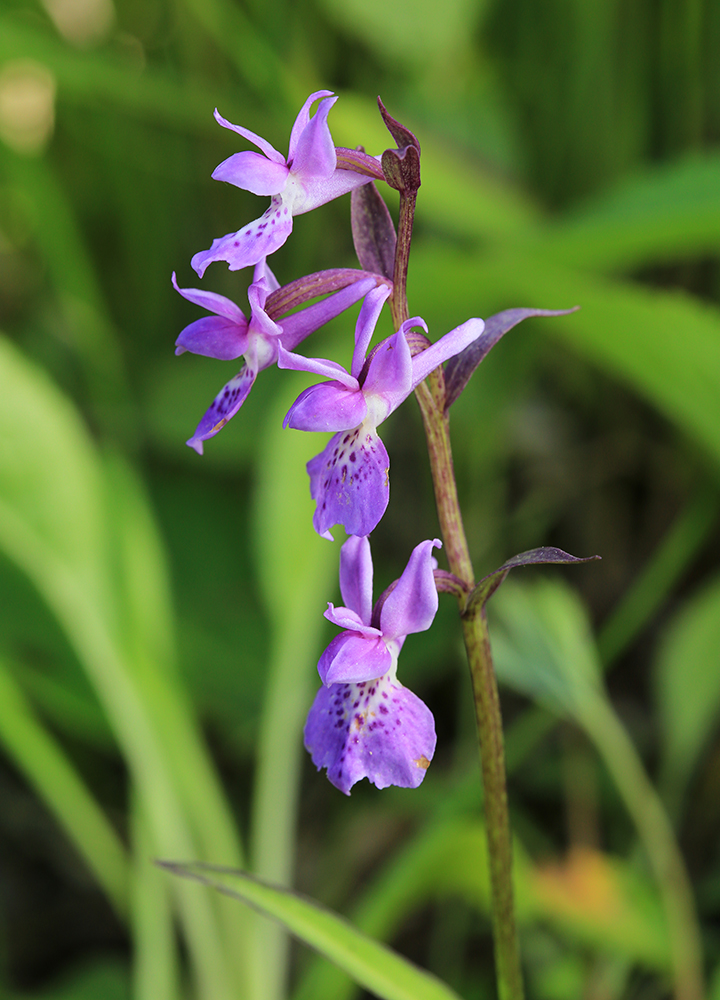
x=328, y=406
x=213, y=337
x=378, y=730
x=354, y=657
x=252, y=172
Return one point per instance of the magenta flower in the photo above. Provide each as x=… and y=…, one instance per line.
x=349, y=479
x=308, y=178
x=229, y=334
x=363, y=722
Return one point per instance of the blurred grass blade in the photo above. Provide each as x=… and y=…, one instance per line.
x=661, y=573
x=45, y=765
x=687, y=683
x=545, y=649
x=666, y=345
x=156, y=964
x=53, y=525
x=371, y=964
x=92, y=77
x=296, y=569
x=668, y=213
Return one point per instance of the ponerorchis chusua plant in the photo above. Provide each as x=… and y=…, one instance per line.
x=364, y=722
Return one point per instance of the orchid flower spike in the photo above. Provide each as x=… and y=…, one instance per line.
x=363, y=722
x=229, y=334
x=349, y=479
x=308, y=178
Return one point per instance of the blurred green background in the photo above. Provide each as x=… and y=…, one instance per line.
x=160, y=614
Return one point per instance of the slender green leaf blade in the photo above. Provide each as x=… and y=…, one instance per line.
x=373, y=965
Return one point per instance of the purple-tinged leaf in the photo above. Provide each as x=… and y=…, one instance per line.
x=448, y=583
x=373, y=231
x=359, y=162
x=401, y=169
x=460, y=368
x=297, y=293
x=401, y=166
x=402, y=135
x=486, y=587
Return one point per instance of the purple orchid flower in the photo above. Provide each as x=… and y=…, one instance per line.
x=363, y=722
x=349, y=479
x=229, y=334
x=308, y=178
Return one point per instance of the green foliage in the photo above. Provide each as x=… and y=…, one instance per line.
x=160, y=615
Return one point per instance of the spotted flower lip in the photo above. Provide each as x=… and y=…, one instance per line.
x=228, y=334
x=308, y=178
x=349, y=480
x=364, y=722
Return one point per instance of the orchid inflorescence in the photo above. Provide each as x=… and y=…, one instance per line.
x=364, y=722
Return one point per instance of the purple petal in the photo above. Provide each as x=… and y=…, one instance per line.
x=214, y=337
x=317, y=366
x=366, y=323
x=300, y=324
x=263, y=273
x=211, y=301
x=263, y=144
x=349, y=482
x=251, y=243
x=320, y=190
x=302, y=120
x=314, y=155
x=252, y=172
x=413, y=603
x=328, y=406
x=447, y=347
x=354, y=657
x=356, y=576
x=378, y=730
x=350, y=620
x=224, y=406
x=389, y=374
x=260, y=322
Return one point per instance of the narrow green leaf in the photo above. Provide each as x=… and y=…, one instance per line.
x=647, y=593
x=687, y=681
x=373, y=965
x=46, y=766
x=668, y=213
x=296, y=569
x=547, y=651
x=665, y=345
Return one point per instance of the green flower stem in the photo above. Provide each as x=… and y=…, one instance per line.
x=487, y=702
x=431, y=397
